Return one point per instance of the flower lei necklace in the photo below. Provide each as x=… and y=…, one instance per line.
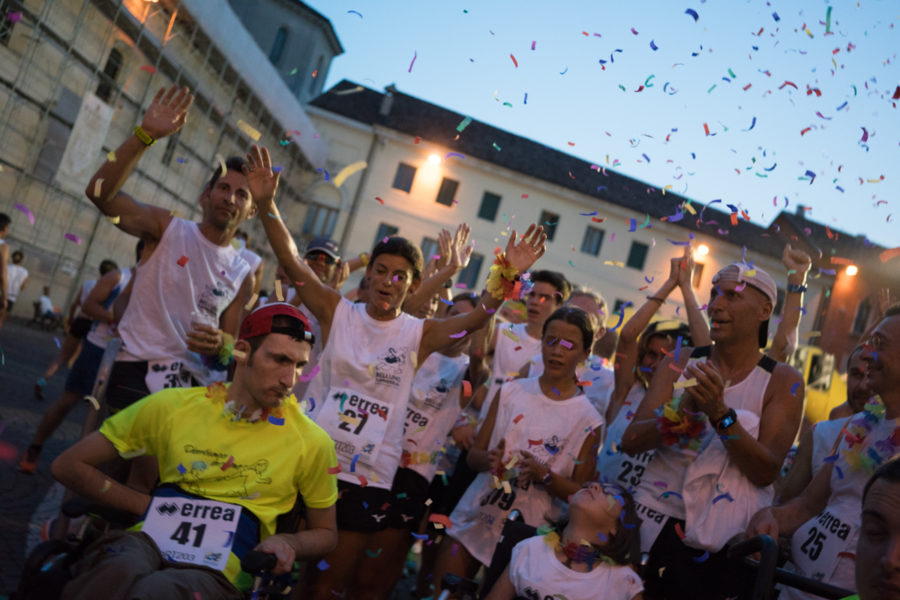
x=235, y=412
x=680, y=427
x=582, y=552
x=857, y=432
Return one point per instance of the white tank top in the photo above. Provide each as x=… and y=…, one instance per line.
x=822, y=547
x=86, y=288
x=253, y=259
x=594, y=371
x=186, y=277
x=432, y=411
x=670, y=462
x=535, y=572
x=362, y=389
x=513, y=350
x=613, y=464
x=15, y=277
x=101, y=331
x=553, y=431
x=824, y=435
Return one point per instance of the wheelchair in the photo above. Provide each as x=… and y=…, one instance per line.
x=49, y=567
x=768, y=574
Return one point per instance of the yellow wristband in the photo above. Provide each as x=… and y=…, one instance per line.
x=143, y=136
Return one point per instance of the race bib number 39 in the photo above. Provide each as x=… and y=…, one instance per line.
x=199, y=532
x=356, y=424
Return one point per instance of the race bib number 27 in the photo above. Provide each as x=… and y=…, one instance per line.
x=356, y=424
x=188, y=530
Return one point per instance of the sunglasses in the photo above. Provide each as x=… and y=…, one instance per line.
x=320, y=257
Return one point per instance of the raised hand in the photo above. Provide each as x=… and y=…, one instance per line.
x=339, y=276
x=707, y=395
x=676, y=266
x=261, y=180
x=168, y=112
x=445, y=244
x=685, y=275
x=796, y=261
x=461, y=250
x=523, y=253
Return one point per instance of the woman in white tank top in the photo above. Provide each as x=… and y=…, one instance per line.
x=543, y=434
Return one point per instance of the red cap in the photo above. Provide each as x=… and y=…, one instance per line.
x=259, y=322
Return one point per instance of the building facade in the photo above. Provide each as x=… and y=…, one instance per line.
x=75, y=76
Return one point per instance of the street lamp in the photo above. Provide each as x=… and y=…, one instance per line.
x=434, y=159
x=852, y=270
x=702, y=250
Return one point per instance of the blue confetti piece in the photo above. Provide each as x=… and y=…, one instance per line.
x=839, y=472
x=725, y=496
x=327, y=176
x=794, y=388
x=702, y=558
x=276, y=420
x=419, y=536
x=526, y=98
x=353, y=463
x=842, y=105
x=590, y=214
x=647, y=158
x=56, y=339
x=447, y=302
x=277, y=169
x=693, y=13
x=811, y=175
x=667, y=494
x=830, y=459
x=653, y=46
x=323, y=565
x=181, y=469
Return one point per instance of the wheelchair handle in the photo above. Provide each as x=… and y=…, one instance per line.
x=765, y=572
x=255, y=562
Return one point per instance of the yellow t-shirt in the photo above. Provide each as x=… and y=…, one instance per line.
x=267, y=462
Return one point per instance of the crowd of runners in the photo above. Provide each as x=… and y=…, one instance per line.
x=402, y=414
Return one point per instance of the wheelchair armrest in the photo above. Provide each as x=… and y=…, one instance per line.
x=456, y=584
x=78, y=507
x=255, y=562
x=810, y=586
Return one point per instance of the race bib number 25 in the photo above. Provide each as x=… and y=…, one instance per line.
x=188, y=530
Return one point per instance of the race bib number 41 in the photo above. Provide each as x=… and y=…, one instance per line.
x=188, y=530
x=356, y=424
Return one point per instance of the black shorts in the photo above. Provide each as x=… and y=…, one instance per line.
x=80, y=327
x=84, y=371
x=362, y=509
x=408, y=496
x=126, y=384
x=458, y=483
x=675, y=571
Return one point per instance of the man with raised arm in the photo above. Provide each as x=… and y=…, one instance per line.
x=362, y=390
x=194, y=286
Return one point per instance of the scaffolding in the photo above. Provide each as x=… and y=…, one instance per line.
x=55, y=55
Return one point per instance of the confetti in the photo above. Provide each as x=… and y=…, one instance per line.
x=348, y=171
x=149, y=69
x=353, y=463
x=323, y=565
x=685, y=383
x=106, y=485
x=334, y=470
x=518, y=418
x=515, y=62
x=441, y=519
x=725, y=496
x=73, y=238
x=459, y=335
x=182, y=261
x=93, y=401
x=467, y=389
x=373, y=553
x=359, y=14
x=249, y=131
x=413, y=61
x=362, y=481
x=693, y=13
x=113, y=220
x=111, y=157
x=653, y=46
x=419, y=536
x=276, y=420
x=310, y=375
x=25, y=210
x=702, y=558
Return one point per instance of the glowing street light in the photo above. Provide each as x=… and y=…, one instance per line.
x=434, y=159
x=701, y=250
x=852, y=270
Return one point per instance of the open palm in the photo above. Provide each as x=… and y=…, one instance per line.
x=524, y=252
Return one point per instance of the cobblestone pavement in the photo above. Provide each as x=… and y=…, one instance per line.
x=27, y=501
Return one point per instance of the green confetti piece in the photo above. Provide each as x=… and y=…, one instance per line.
x=711, y=89
x=622, y=87
x=496, y=147
x=463, y=124
x=733, y=76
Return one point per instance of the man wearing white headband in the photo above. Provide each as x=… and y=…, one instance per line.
x=721, y=420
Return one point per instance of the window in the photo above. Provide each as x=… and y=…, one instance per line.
x=171, y=146
x=429, y=248
x=698, y=275
x=320, y=220
x=593, y=239
x=447, y=192
x=278, y=45
x=109, y=74
x=490, y=202
x=862, y=317
x=403, y=180
x=469, y=275
x=384, y=231
x=637, y=256
x=549, y=220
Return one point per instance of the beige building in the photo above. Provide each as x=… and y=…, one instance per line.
x=76, y=75
x=429, y=167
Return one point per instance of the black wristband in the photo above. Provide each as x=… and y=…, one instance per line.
x=726, y=421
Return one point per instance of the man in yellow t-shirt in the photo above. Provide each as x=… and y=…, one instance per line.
x=231, y=459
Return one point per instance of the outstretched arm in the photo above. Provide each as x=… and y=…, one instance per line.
x=784, y=343
x=263, y=183
x=697, y=321
x=521, y=254
x=165, y=115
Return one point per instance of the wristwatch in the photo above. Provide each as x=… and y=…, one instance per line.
x=545, y=480
x=727, y=421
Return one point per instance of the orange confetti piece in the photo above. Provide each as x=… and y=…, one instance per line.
x=706, y=128
x=518, y=418
x=228, y=463
x=363, y=482
x=334, y=470
x=515, y=62
x=149, y=68
x=442, y=519
x=182, y=261
x=380, y=200
x=467, y=389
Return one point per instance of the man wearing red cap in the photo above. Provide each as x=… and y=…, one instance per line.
x=231, y=459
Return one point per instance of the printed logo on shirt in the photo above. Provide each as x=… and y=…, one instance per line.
x=389, y=368
x=651, y=514
x=532, y=594
x=214, y=299
x=207, y=478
